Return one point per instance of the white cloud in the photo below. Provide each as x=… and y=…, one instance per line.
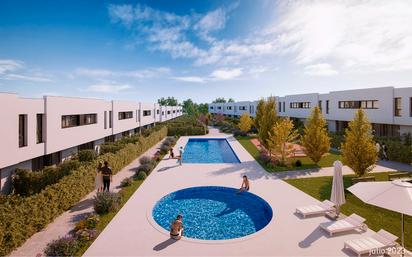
x=121, y=13
x=9, y=65
x=357, y=35
x=104, y=73
x=194, y=79
x=108, y=88
x=226, y=74
x=26, y=78
x=320, y=69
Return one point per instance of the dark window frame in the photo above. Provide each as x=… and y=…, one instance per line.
x=22, y=130
x=77, y=120
x=125, y=115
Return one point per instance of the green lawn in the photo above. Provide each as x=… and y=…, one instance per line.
x=105, y=219
x=307, y=163
x=376, y=218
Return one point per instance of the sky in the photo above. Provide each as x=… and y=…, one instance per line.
x=198, y=49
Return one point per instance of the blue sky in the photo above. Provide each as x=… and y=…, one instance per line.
x=143, y=50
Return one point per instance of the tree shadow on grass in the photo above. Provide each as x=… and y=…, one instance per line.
x=163, y=245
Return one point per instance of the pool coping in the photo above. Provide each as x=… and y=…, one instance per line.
x=212, y=138
x=155, y=225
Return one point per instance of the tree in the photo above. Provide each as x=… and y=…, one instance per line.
x=281, y=137
x=245, y=122
x=189, y=107
x=169, y=101
x=358, y=148
x=203, y=108
x=316, y=141
x=267, y=121
x=260, y=110
x=231, y=100
x=219, y=100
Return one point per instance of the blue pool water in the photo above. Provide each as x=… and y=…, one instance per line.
x=213, y=213
x=202, y=150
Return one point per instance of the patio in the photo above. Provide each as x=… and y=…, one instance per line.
x=133, y=231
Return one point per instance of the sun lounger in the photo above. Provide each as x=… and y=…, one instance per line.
x=320, y=208
x=353, y=222
x=375, y=243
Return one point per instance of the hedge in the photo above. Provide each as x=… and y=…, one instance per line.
x=185, y=126
x=21, y=217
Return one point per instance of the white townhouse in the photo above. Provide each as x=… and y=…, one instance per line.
x=45, y=131
x=389, y=109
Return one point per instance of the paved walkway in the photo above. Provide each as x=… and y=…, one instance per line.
x=63, y=224
x=133, y=232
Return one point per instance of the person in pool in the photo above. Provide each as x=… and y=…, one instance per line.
x=176, y=229
x=245, y=185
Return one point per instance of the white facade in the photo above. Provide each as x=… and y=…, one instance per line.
x=338, y=107
x=36, y=128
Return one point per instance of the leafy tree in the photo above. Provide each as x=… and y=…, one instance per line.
x=231, y=100
x=169, y=101
x=358, y=149
x=281, y=137
x=219, y=100
x=203, y=108
x=189, y=107
x=245, y=122
x=260, y=110
x=316, y=141
x=267, y=121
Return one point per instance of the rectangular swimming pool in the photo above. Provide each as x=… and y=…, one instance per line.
x=209, y=150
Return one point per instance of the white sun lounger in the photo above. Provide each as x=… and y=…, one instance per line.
x=320, y=208
x=378, y=241
x=353, y=222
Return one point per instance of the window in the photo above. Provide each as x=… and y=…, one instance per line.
x=157, y=111
x=219, y=107
x=76, y=120
x=211, y=107
x=110, y=119
x=39, y=130
x=280, y=107
x=146, y=113
x=228, y=107
x=397, y=106
x=168, y=112
x=174, y=111
x=125, y=115
x=284, y=106
x=105, y=119
x=320, y=105
x=327, y=106
x=410, y=106
x=163, y=112
x=22, y=130
x=364, y=104
x=300, y=105
x=242, y=108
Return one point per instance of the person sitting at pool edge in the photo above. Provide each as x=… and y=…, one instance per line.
x=245, y=184
x=176, y=229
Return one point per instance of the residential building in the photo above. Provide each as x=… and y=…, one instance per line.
x=389, y=109
x=46, y=131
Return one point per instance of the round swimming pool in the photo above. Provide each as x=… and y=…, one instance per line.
x=213, y=213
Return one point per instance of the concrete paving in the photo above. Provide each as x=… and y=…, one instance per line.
x=63, y=224
x=133, y=232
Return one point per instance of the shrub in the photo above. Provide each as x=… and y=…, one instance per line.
x=146, y=168
x=126, y=182
x=264, y=157
x=298, y=163
x=164, y=149
x=86, y=155
x=65, y=246
x=21, y=217
x=85, y=235
x=27, y=182
x=106, y=202
x=110, y=148
x=145, y=160
x=141, y=175
x=240, y=133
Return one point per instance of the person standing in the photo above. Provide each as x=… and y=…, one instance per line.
x=171, y=153
x=180, y=155
x=107, y=176
x=98, y=180
x=385, y=151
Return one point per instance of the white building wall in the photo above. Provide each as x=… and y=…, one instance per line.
x=11, y=107
x=149, y=119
